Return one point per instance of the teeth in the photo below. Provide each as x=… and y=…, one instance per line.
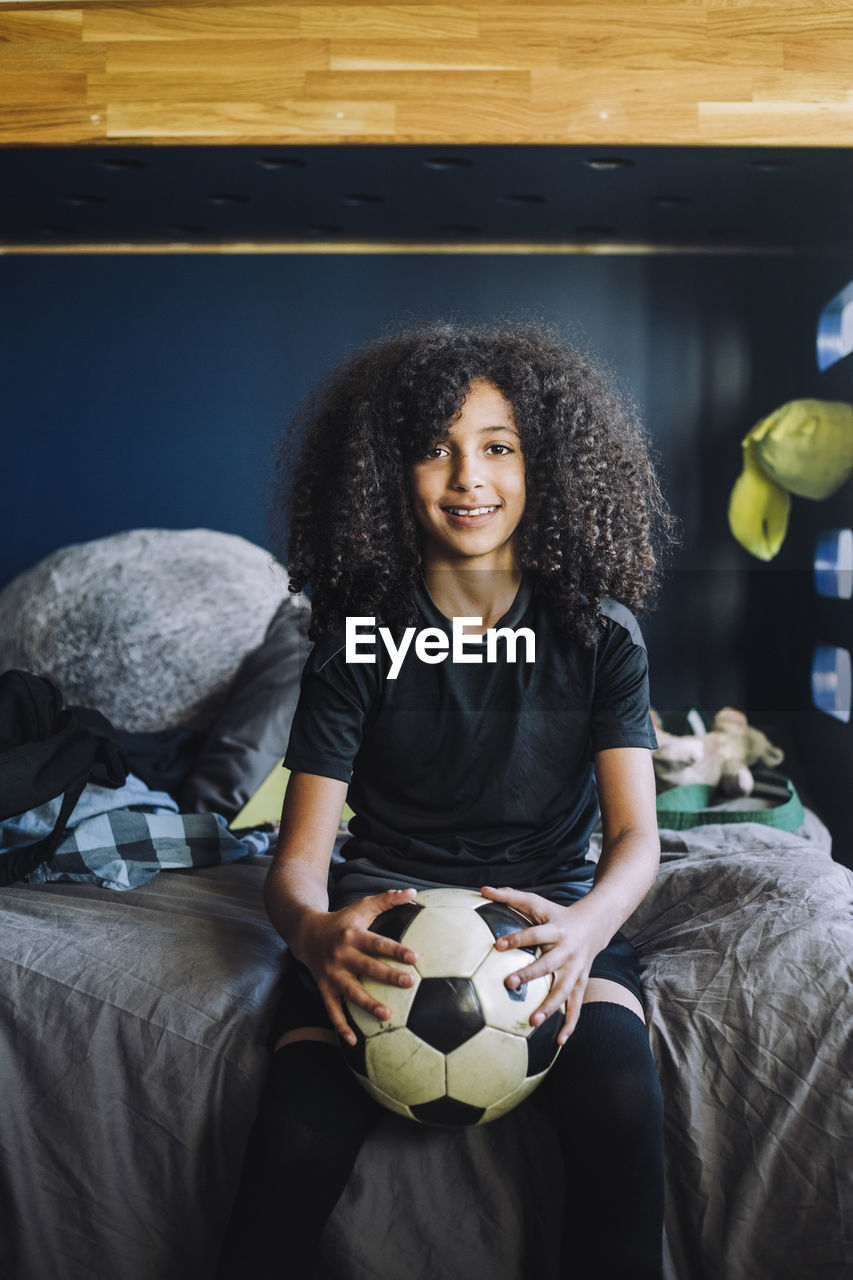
x=473, y=511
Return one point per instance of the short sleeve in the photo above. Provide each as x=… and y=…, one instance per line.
x=620, y=709
x=328, y=723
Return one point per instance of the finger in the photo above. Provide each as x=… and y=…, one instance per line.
x=376, y=945
x=544, y=965
x=349, y=986
x=335, y=1010
x=376, y=903
x=561, y=994
x=356, y=994
x=573, y=1009
x=527, y=903
x=356, y=940
x=367, y=909
x=367, y=967
x=539, y=935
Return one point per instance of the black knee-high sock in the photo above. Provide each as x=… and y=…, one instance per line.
x=604, y=1096
x=311, y=1123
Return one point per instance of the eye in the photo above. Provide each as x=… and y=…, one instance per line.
x=500, y=445
x=432, y=451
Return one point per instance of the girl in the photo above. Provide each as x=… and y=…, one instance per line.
x=487, y=474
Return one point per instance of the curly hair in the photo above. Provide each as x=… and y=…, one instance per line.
x=593, y=502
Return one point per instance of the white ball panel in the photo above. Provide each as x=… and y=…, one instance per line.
x=509, y=1011
x=451, y=942
x=398, y=999
x=467, y=898
x=486, y=1068
x=384, y=1099
x=512, y=1099
x=405, y=1067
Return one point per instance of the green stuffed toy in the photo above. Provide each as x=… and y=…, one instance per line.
x=805, y=448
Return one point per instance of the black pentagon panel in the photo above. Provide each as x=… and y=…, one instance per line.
x=354, y=1054
x=394, y=922
x=447, y=1111
x=445, y=1013
x=542, y=1043
x=502, y=920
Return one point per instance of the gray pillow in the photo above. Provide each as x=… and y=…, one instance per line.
x=249, y=737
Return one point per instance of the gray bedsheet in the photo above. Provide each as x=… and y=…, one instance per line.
x=132, y=1055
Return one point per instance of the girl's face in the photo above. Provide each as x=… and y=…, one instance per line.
x=477, y=468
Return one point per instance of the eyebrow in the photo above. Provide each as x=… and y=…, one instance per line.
x=500, y=426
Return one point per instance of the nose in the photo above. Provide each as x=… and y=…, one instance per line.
x=464, y=473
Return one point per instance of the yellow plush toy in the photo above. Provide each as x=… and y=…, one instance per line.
x=805, y=448
x=721, y=757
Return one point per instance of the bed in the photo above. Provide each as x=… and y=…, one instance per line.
x=132, y=1042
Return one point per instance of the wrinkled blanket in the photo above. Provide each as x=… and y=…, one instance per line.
x=132, y=1054
x=746, y=943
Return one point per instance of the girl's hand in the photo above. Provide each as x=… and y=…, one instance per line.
x=340, y=950
x=570, y=942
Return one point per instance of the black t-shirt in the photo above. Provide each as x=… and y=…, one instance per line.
x=473, y=773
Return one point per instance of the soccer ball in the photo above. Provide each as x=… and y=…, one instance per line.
x=459, y=1048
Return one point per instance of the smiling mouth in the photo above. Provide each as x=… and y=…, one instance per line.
x=470, y=513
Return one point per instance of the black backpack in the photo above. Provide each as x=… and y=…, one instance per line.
x=47, y=751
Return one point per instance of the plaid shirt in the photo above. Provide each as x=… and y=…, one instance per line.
x=121, y=838
x=123, y=849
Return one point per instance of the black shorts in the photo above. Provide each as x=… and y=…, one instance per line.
x=301, y=1005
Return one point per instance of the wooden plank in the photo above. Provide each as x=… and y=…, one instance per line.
x=441, y=55
x=44, y=25
x=576, y=121
x=61, y=56
x=399, y=86
x=198, y=86
x=777, y=21
x=195, y=22
x=655, y=91
x=681, y=56
x=48, y=89
x=224, y=56
x=48, y=124
x=821, y=58
x=776, y=124
x=569, y=22
x=285, y=121
x=398, y=22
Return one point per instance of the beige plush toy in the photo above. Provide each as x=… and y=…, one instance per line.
x=721, y=757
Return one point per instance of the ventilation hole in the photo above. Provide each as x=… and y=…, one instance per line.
x=672, y=202
x=362, y=198
x=609, y=162
x=53, y=229
x=522, y=197
x=769, y=166
x=280, y=162
x=184, y=229
x=831, y=681
x=833, y=564
x=120, y=163
x=448, y=162
x=228, y=197
x=84, y=201
x=324, y=228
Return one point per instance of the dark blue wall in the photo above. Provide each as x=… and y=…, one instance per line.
x=785, y=616
x=149, y=390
